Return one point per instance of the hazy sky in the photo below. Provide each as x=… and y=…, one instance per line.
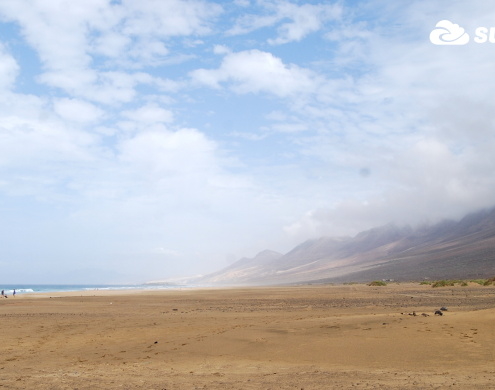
x=151, y=139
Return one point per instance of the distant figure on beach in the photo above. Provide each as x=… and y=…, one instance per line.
x=3, y=293
x=13, y=293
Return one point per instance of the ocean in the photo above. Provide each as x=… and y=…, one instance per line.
x=47, y=288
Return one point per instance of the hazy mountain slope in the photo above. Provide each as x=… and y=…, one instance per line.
x=243, y=270
x=450, y=249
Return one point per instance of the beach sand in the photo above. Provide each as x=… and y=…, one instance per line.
x=304, y=337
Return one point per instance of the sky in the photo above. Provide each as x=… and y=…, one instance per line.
x=149, y=140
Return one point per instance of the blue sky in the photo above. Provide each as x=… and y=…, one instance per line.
x=158, y=139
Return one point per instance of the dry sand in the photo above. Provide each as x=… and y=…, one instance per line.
x=311, y=337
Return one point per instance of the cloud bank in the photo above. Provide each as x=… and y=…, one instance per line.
x=149, y=140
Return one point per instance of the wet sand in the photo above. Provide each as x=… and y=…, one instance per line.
x=305, y=337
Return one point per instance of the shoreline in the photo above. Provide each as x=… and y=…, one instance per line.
x=31, y=289
x=87, y=290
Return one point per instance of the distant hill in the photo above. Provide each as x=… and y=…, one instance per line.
x=450, y=249
x=243, y=271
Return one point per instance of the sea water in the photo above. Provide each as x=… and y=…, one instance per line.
x=48, y=288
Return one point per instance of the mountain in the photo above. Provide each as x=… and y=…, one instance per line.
x=244, y=270
x=447, y=250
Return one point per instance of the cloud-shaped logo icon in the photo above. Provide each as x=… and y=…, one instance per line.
x=448, y=33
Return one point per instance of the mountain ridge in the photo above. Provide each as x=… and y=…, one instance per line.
x=448, y=249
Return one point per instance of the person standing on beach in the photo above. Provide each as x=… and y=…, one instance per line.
x=13, y=293
x=3, y=293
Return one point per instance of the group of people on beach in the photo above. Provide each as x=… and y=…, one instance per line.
x=6, y=296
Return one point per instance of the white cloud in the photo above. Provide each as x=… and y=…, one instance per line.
x=150, y=113
x=111, y=44
x=149, y=52
x=109, y=87
x=69, y=37
x=9, y=69
x=221, y=49
x=255, y=71
x=242, y=3
x=74, y=110
x=404, y=117
x=170, y=153
x=56, y=29
x=38, y=157
x=171, y=18
x=303, y=20
x=249, y=23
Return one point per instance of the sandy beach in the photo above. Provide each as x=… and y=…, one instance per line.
x=305, y=337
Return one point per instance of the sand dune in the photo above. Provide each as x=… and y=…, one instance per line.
x=313, y=337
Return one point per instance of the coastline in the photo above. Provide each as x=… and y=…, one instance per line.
x=31, y=289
